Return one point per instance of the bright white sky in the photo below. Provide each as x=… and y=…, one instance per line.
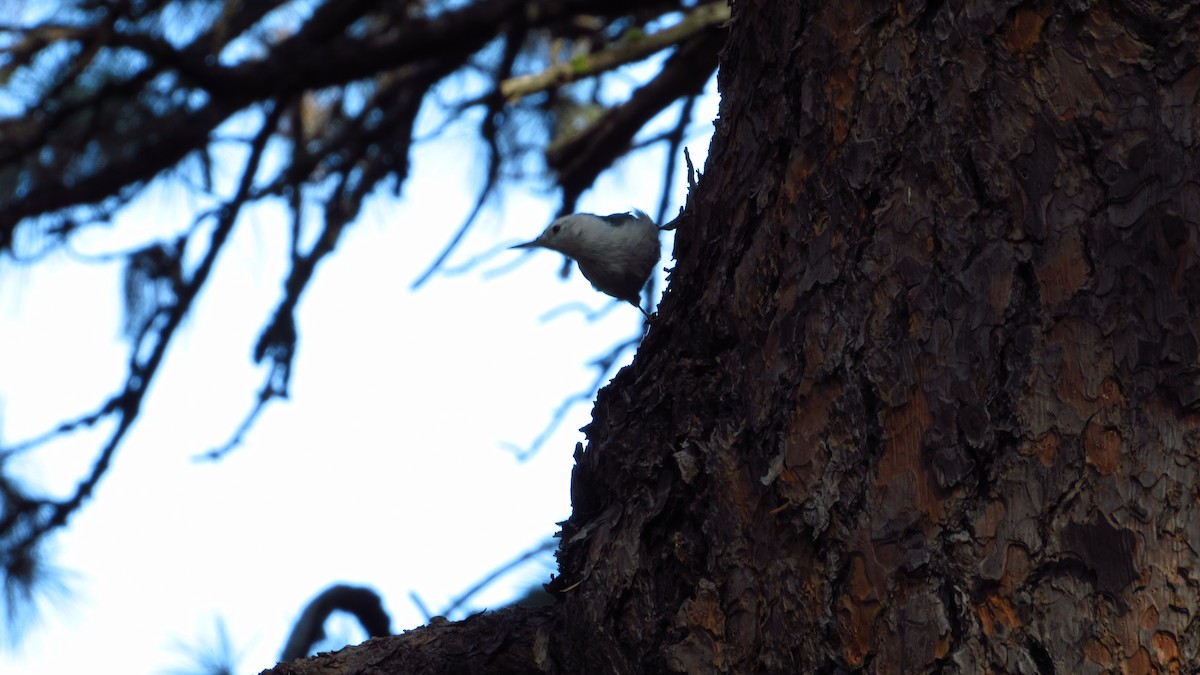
x=387, y=467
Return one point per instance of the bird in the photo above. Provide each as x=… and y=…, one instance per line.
x=616, y=252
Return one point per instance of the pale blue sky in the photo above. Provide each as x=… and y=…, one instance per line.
x=386, y=468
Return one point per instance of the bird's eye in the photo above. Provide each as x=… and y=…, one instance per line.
x=555, y=229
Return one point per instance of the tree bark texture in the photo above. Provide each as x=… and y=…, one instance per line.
x=923, y=391
x=922, y=394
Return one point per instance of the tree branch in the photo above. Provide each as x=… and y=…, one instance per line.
x=363, y=603
x=314, y=58
x=626, y=51
x=581, y=158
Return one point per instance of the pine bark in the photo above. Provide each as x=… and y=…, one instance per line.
x=922, y=393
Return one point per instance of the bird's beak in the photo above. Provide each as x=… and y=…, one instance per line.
x=528, y=244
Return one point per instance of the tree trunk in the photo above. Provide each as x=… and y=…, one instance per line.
x=922, y=393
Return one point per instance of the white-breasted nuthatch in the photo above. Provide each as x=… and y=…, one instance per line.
x=616, y=253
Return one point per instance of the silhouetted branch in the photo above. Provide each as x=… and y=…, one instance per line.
x=360, y=173
x=363, y=603
x=90, y=419
x=127, y=404
x=321, y=54
x=269, y=391
x=457, y=238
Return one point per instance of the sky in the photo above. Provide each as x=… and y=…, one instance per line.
x=391, y=465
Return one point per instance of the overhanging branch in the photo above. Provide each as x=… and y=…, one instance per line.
x=626, y=51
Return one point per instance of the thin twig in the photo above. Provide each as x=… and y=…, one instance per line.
x=265, y=395
x=489, y=130
x=507, y=567
x=90, y=419
x=421, y=606
x=604, y=365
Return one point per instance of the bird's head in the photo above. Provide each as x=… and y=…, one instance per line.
x=565, y=235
